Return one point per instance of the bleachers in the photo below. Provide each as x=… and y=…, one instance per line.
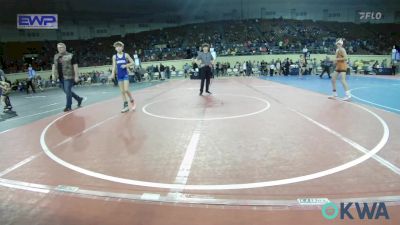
x=246, y=37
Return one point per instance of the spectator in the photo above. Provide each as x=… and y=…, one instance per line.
x=162, y=71
x=272, y=69
x=326, y=67
x=167, y=72
x=375, y=67
x=278, y=67
x=39, y=83
x=305, y=52
x=393, y=67
x=314, y=67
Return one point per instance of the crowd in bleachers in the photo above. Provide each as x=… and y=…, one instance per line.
x=276, y=36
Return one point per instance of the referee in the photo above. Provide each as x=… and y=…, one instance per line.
x=205, y=61
x=31, y=78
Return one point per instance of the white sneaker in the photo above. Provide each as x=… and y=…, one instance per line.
x=333, y=97
x=124, y=110
x=347, y=98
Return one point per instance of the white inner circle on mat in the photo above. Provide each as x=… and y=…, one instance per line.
x=265, y=108
x=384, y=139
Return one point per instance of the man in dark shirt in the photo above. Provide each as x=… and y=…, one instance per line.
x=326, y=67
x=162, y=71
x=205, y=61
x=287, y=67
x=65, y=68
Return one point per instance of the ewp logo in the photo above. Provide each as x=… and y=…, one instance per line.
x=37, y=21
x=330, y=211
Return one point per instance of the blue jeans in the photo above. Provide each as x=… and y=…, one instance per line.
x=67, y=85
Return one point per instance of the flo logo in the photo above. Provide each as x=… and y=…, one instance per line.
x=364, y=211
x=370, y=15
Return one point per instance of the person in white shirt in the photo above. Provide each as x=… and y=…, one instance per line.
x=271, y=69
x=244, y=68
x=302, y=66
x=394, y=51
x=305, y=51
x=278, y=67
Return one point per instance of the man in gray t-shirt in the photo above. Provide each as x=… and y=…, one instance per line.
x=205, y=61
